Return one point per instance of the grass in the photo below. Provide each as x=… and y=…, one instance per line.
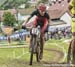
x=51, y=43
x=19, y=57
x=13, y=43
x=61, y=43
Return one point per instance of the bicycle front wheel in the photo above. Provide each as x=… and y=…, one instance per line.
x=33, y=43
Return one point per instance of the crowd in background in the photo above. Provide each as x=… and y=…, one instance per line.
x=58, y=33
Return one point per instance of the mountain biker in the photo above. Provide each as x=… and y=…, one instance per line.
x=42, y=19
x=72, y=10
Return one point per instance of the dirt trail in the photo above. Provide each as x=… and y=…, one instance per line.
x=44, y=63
x=58, y=56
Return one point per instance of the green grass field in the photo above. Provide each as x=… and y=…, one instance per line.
x=54, y=51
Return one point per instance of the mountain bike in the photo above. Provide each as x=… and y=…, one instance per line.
x=35, y=44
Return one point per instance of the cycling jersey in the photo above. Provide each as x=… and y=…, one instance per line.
x=40, y=20
x=36, y=12
x=72, y=3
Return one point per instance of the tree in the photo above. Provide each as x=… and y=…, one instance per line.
x=9, y=19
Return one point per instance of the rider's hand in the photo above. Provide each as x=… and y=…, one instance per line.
x=23, y=27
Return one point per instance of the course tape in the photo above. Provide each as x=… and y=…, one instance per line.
x=15, y=35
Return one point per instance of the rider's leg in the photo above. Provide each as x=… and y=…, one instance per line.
x=30, y=44
x=42, y=45
x=43, y=30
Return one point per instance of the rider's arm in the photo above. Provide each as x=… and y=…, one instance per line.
x=46, y=22
x=32, y=14
x=28, y=18
x=26, y=21
x=35, y=21
x=45, y=25
x=24, y=24
x=48, y=18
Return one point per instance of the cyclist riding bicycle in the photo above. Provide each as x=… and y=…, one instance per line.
x=42, y=19
x=72, y=10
